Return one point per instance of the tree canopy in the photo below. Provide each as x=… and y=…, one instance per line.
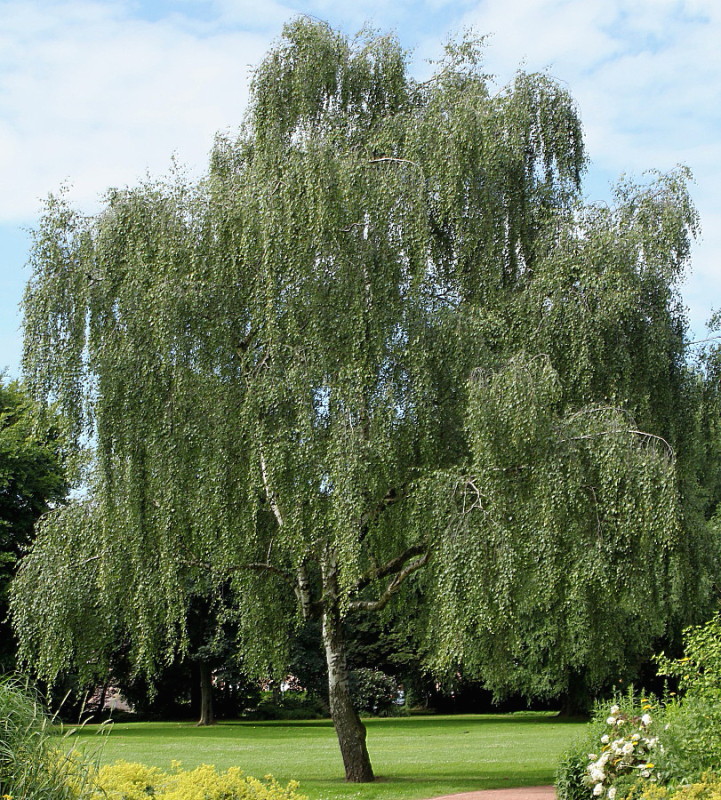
x=382, y=347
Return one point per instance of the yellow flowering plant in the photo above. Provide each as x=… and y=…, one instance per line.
x=131, y=781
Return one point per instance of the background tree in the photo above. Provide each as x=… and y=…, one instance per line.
x=380, y=342
x=32, y=479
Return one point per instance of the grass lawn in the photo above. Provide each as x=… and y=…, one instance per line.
x=413, y=757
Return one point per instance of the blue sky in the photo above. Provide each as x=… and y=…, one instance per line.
x=99, y=93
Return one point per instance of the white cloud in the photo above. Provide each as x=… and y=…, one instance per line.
x=90, y=95
x=647, y=78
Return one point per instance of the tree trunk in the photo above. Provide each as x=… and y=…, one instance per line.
x=350, y=730
x=206, y=695
x=103, y=695
x=576, y=701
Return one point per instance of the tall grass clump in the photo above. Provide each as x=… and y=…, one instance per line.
x=34, y=765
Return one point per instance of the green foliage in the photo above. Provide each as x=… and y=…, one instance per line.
x=571, y=771
x=691, y=739
x=676, y=744
x=617, y=748
x=374, y=692
x=33, y=455
x=708, y=787
x=34, y=764
x=692, y=734
x=290, y=705
x=565, y=515
x=699, y=671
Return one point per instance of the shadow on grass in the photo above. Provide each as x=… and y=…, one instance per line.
x=453, y=724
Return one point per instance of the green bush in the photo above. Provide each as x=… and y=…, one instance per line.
x=374, y=692
x=699, y=671
x=33, y=762
x=291, y=705
x=691, y=738
x=682, y=750
x=571, y=772
x=692, y=724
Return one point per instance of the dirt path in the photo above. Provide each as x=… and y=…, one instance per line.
x=524, y=793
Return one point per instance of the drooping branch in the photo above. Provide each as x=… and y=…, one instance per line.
x=582, y=412
x=262, y=566
x=393, y=160
x=702, y=341
x=252, y=566
x=632, y=431
x=84, y=562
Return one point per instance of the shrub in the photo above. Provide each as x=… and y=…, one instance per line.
x=685, y=747
x=699, y=671
x=571, y=772
x=618, y=748
x=692, y=730
x=127, y=781
x=691, y=738
x=291, y=705
x=374, y=692
x=707, y=788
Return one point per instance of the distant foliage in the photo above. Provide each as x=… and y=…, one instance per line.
x=374, y=692
x=34, y=456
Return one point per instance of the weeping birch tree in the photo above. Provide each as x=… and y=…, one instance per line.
x=378, y=350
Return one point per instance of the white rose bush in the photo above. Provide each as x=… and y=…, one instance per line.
x=627, y=748
x=668, y=749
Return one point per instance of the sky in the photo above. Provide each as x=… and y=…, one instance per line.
x=101, y=93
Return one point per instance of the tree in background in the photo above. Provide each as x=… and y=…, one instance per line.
x=380, y=345
x=32, y=480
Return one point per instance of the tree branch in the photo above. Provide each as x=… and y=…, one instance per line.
x=392, y=159
x=262, y=566
x=85, y=561
x=621, y=430
x=252, y=566
x=302, y=591
x=702, y=341
x=390, y=567
x=392, y=588
x=271, y=495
